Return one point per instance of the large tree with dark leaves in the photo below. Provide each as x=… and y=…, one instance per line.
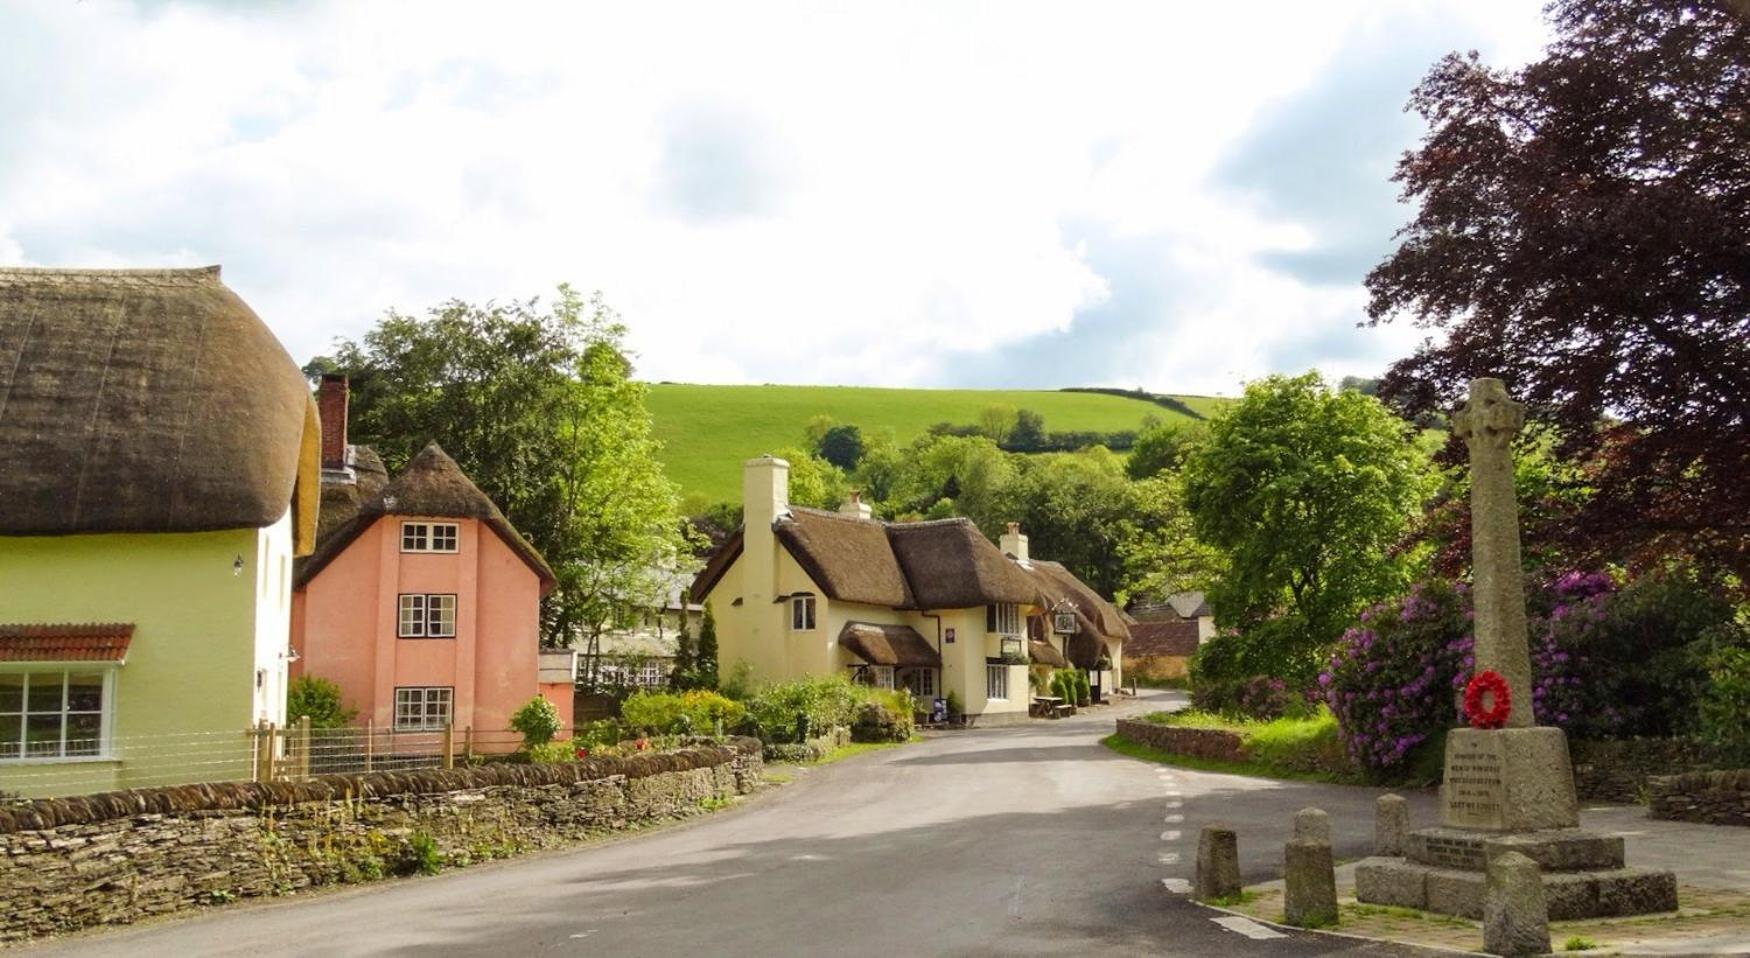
x=1583, y=232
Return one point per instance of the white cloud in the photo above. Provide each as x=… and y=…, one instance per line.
x=799, y=192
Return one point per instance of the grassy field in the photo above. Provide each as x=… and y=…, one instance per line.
x=708, y=431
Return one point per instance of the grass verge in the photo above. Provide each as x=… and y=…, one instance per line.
x=861, y=748
x=1124, y=746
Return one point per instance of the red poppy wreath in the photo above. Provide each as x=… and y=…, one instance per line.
x=1487, y=683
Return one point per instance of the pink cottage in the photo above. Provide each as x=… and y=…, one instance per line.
x=421, y=601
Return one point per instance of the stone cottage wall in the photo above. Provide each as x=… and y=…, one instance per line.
x=1199, y=742
x=1711, y=798
x=67, y=864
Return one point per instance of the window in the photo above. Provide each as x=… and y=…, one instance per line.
x=427, y=617
x=922, y=682
x=429, y=536
x=1003, y=619
x=802, y=613
x=873, y=676
x=422, y=709
x=996, y=681
x=53, y=714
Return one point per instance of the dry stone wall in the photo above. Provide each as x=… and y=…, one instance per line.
x=1199, y=742
x=67, y=864
x=1618, y=771
x=1711, y=798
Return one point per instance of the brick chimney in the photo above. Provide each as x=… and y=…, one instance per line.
x=1014, y=544
x=331, y=407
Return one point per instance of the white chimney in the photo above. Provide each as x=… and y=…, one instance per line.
x=765, y=491
x=855, y=507
x=1014, y=544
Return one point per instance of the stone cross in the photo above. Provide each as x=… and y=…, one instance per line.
x=1487, y=422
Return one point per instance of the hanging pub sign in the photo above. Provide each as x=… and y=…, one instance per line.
x=1063, y=622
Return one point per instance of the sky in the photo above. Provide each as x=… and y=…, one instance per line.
x=1175, y=196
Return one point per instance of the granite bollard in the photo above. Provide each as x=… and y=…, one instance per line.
x=1312, y=825
x=1309, y=875
x=1515, y=913
x=1391, y=822
x=1218, y=863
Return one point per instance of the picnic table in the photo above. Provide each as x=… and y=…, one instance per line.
x=1051, y=706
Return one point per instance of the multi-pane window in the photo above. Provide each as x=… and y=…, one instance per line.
x=423, y=709
x=802, y=613
x=996, y=681
x=427, y=616
x=52, y=714
x=428, y=536
x=1003, y=619
x=922, y=682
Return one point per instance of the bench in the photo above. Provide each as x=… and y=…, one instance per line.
x=1050, y=706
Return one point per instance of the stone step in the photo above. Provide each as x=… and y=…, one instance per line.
x=1604, y=893
x=1554, y=850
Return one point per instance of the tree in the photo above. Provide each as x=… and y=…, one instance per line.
x=685, y=673
x=1076, y=508
x=536, y=404
x=1304, y=490
x=706, y=668
x=1583, y=232
x=816, y=429
x=814, y=482
x=320, y=699
x=842, y=446
x=998, y=422
x=1158, y=545
x=1161, y=447
x=1029, y=432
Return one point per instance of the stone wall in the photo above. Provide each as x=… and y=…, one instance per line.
x=1711, y=798
x=117, y=857
x=1199, y=742
x=1617, y=771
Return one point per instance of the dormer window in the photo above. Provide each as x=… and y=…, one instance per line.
x=802, y=613
x=429, y=536
x=1003, y=619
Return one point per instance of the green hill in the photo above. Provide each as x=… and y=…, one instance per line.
x=707, y=431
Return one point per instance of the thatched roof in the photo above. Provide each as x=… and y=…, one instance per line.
x=432, y=486
x=342, y=499
x=899, y=645
x=1044, y=653
x=941, y=564
x=1098, y=622
x=148, y=401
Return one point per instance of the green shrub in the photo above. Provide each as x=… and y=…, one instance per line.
x=537, y=720
x=320, y=700
x=955, y=706
x=601, y=734
x=423, y=854
x=879, y=722
x=785, y=709
x=665, y=713
x=1725, y=706
x=551, y=753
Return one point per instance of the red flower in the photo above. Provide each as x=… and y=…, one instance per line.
x=1487, y=682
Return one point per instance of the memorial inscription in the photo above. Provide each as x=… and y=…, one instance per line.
x=1475, y=788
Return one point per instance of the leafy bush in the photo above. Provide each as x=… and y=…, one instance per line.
x=1392, y=681
x=1263, y=697
x=320, y=700
x=551, y=753
x=955, y=706
x=1725, y=705
x=696, y=710
x=876, y=722
x=423, y=854
x=537, y=720
x=785, y=710
x=600, y=734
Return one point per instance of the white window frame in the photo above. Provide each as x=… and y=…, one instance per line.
x=921, y=682
x=106, y=712
x=802, y=613
x=1008, y=619
x=431, y=536
x=996, y=683
x=414, y=703
x=426, y=615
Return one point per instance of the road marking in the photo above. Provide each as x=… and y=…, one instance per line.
x=1247, y=927
x=1178, y=886
x=1015, y=899
x=1174, y=818
x=1175, y=803
x=585, y=934
x=1170, y=835
x=1169, y=858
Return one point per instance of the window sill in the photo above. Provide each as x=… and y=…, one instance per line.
x=427, y=638
x=62, y=760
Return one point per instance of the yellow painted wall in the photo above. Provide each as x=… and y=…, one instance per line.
x=187, y=690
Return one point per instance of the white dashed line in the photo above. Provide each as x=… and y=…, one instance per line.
x=1175, y=803
x=1247, y=927
x=1169, y=858
x=1178, y=886
x=1174, y=818
x=1170, y=835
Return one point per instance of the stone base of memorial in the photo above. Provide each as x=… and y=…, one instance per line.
x=1512, y=790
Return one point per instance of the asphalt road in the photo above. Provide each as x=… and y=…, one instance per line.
x=1009, y=841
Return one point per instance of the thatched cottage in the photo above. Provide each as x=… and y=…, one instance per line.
x=421, y=601
x=930, y=606
x=159, y=475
